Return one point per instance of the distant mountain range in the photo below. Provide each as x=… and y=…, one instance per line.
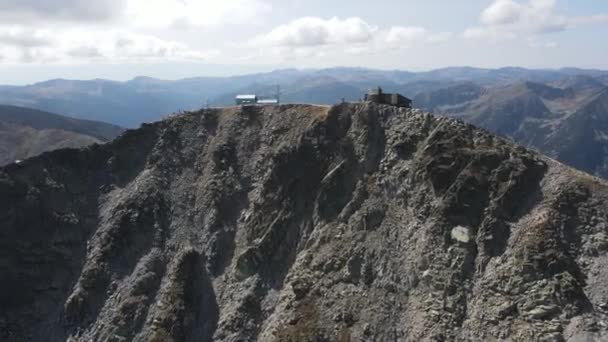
x=565, y=119
x=145, y=99
x=28, y=132
x=562, y=113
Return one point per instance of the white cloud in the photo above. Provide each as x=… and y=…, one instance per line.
x=551, y=45
x=24, y=37
x=359, y=50
x=301, y=38
x=128, y=46
x=535, y=42
x=400, y=36
x=339, y=38
x=440, y=37
x=193, y=13
x=488, y=34
x=508, y=19
x=314, y=31
x=332, y=41
x=589, y=20
x=92, y=46
x=20, y=11
x=134, y=13
x=535, y=16
x=65, y=31
x=397, y=35
x=501, y=12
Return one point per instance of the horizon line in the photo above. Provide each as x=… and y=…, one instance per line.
x=244, y=74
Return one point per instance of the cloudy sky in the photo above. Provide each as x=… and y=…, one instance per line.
x=119, y=39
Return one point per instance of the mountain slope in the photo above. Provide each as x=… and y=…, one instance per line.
x=579, y=83
x=503, y=110
x=125, y=104
x=352, y=222
x=443, y=98
x=581, y=139
x=28, y=132
x=563, y=119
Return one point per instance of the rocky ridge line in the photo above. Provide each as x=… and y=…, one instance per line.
x=352, y=222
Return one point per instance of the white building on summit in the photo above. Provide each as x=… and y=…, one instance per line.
x=268, y=102
x=252, y=99
x=246, y=99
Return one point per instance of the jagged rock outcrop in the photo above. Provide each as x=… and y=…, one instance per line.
x=346, y=223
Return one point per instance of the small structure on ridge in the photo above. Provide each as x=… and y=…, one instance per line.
x=268, y=102
x=253, y=99
x=247, y=99
x=398, y=100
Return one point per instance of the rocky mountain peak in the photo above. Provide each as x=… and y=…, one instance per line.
x=351, y=222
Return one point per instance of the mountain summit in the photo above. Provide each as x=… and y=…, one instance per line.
x=297, y=222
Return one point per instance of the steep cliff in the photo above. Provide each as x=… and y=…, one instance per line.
x=353, y=222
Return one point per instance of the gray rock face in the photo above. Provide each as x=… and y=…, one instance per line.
x=302, y=223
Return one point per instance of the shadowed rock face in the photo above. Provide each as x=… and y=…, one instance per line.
x=355, y=222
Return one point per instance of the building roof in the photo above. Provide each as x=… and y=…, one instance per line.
x=377, y=91
x=268, y=101
x=246, y=97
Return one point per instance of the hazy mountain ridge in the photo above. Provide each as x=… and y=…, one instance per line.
x=26, y=132
x=564, y=119
x=526, y=105
x=580, y=83
x=145, y=99
x=581, y=139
